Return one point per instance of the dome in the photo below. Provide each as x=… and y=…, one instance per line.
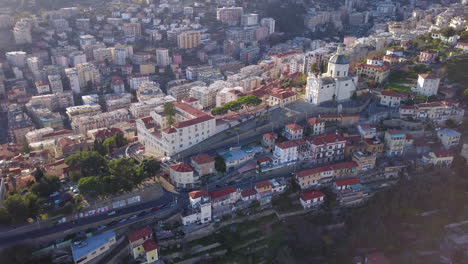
x=339, y=59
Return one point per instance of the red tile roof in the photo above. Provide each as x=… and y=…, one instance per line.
x=326, y=139
x=193, y=121
x=337, y=166
x=150, y=245
x=221, y=193
x=443, y=153
x=287, y=144
x=189, y=109
x=139, y=234
x=310, y=195
x=294, y=127
x=181, y=167
x=202, y=159
x=270, y=136
x=198, y=194
x=263, y=184
x=264, y=159
x=314, y=120
x=248, y=193
x=347, y=182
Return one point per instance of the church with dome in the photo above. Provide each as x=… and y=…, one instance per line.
x=336, y=84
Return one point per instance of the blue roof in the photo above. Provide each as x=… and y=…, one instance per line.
x=339, y=59
x=450, y=132
x=91, y=244
x=240, y=153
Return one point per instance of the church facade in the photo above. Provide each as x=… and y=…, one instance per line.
x=336, y=84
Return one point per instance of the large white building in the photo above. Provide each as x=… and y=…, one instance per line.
x=73, y=79
x=336, y=84
x=16, y=58
x=428, y=84
x=22, y=32
x=192, y=127
x=55, y=82
x=87, y=72
x=162, y=57
x=269, y=23
x=85, y=123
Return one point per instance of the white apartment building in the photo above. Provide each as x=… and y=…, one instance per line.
x=286, y=151
x=82, y=110
x=269, y=23
x=85, y=123
x=136, y=80
x=16, y=58
x=144, y=108
x=53, y=101
x=87, y=72
x=206, y=96
x=103, y=54
x=449, y=137
x=22, y=32
x=35, y=66
x=162, y=57
x=55, y=82
x=428, y=84
x=227, y=95
x=73, y=79
x=148, y=90
x=182, y=175
x=42, y=87
x=192, y=127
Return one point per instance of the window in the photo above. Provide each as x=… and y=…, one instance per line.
x=337, y=73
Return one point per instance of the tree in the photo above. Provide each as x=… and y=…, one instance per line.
x=25, y=148
x=38, y=174
x=5, y=217
x=220, y=164
x=221, y=110
x=87, y=163
x=18, y=254
x=99, y=147
x=126, y=174
x=448, y=32
x=465, y=94
x=150, y=166
x=314, y=68
x=90, y=186
x=450, y=123
x=46, y=186
x=21, y=207
x=169, y=112
x=354, y=97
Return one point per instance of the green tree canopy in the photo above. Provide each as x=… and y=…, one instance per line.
x=220, y=164
x=46, y=186
x=169, y=112
x=88, y=163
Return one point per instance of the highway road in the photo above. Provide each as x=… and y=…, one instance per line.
x=166, y=199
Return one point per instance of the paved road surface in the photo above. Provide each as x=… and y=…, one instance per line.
x=165, y=199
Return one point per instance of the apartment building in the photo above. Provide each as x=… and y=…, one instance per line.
x=435, y=111
x=162, y=57
x=55, y=82
x=73, y=80
x=188, y=39
x=326, y=148
x=428, y=84
x=324, y=174
x=84, y=123
x=392, y=98
x=82, y=110
x=55, y=101
x=149, y=90
x=229, y=15
x=395, y=142
x=182, y=175
x=192, y=127
x=144, y=108
x=449, y=137
x=136, y=80
x=42, y=87
x=87, y=72
x=183, y=91
x=132, y=30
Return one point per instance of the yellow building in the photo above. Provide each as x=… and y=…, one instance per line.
x=143, y=248
x=188, y=40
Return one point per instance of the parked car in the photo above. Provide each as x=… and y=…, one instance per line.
x=132, y=217
x=111, y=213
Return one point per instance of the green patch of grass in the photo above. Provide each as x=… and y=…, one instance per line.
x=398, y=88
